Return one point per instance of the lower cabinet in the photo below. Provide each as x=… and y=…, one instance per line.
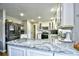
x=61, y=54
x=20, y=51
x=65, y=54
x=34, y=52
x=16, y=51
x=25, y=51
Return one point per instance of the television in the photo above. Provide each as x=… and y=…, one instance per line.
x=54, y=31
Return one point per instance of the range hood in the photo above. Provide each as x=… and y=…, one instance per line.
x=66, y=27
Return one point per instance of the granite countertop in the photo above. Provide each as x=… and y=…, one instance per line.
x=39, y=44
x=66, y=48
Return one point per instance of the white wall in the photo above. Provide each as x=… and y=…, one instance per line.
x=45, y=23
x=29, y=29
x=14, y=20
x=2, y=30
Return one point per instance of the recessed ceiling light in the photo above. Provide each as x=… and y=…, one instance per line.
x=32, y=20
x=39, y=17
x=10, y=20
x=51, y=18
x=52, y=10
x=21, y=14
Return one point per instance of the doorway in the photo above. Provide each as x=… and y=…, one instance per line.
x=33, y=31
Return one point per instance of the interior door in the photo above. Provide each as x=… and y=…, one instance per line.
x=34, y=31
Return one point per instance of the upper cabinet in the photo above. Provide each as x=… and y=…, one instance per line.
x=67, y=14
x=44, y=25
x=47, y=25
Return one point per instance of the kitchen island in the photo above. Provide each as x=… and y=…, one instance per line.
x=27, y=47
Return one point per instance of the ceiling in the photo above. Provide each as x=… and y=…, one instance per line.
x=30, y=10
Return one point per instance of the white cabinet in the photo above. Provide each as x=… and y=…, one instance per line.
x=76, y=21
x=43, y=24
x=67, y=14
x=64, y=54
x=47, y=25
x=39, y=35
x=20, y=51
x=34, y=52
x=16, y=51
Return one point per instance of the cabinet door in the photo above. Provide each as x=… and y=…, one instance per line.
x=76, y=26
x=67, y=14
x=34, y=52
x=63, y=54
x=16, y=51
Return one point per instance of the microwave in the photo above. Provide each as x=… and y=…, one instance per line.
x=45, y=28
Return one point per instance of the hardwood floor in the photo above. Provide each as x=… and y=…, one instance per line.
x=3, y=54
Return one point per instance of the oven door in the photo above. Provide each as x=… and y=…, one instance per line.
x=44, y=35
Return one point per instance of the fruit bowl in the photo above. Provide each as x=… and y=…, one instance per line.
x=76, y=46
